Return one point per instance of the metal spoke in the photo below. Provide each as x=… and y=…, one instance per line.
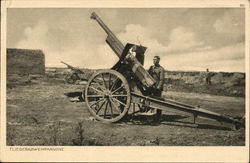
x=116, y=107
x=99, y=86
x=117, y=89
x=111, y=109
x=97, y=102
x=101, y=107
x=119, y=102
x=105, y=110
x=119, y=95
x=94, y=95
x=113, y=84
x=98, y=80
x=96, y=89
x=109, y=81
x=104, y=81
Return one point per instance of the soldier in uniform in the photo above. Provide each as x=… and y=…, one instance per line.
x=157, y=72
x=208, y=77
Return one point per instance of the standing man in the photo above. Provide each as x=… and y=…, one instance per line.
x=157, y=72
x=208, y=77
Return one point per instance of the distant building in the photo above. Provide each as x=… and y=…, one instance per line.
x=25, y=61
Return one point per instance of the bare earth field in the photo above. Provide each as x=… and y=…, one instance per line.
x=39, y=113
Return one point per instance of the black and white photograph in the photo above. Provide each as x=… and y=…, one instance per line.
x=126, y=76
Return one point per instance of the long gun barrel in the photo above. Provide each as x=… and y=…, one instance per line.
x=115, y=44
x=73, y=68
x=69, y=66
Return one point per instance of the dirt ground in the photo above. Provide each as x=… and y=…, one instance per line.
x=39, y=113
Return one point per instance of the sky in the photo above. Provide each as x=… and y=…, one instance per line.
x=188, y=39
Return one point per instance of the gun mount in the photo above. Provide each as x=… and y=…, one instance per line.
x=72, y=77
x=110, y=93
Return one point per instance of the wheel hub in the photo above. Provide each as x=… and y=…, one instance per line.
x=106, y=94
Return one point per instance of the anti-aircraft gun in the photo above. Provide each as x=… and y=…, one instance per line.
x=74, y=75
x=110, y=93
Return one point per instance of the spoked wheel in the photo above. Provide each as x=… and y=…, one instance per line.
x=107, y=96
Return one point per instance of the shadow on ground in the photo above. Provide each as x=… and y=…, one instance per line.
x=170, y=120
x=76, y=96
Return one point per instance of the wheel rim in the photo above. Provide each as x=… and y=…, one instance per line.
x=107, y=96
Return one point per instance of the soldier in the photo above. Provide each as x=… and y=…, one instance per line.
x=208, y=77
x=157, y=72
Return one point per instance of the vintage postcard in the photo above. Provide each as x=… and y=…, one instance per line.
x=124, y=81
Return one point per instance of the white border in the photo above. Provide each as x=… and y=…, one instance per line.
x=124, y=154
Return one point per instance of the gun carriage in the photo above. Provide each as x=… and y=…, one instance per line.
x=109, y=94
x=74, y=75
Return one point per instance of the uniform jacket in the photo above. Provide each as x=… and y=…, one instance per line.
x=157, y=72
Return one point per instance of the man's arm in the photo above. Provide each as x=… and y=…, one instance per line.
x=161, y=80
